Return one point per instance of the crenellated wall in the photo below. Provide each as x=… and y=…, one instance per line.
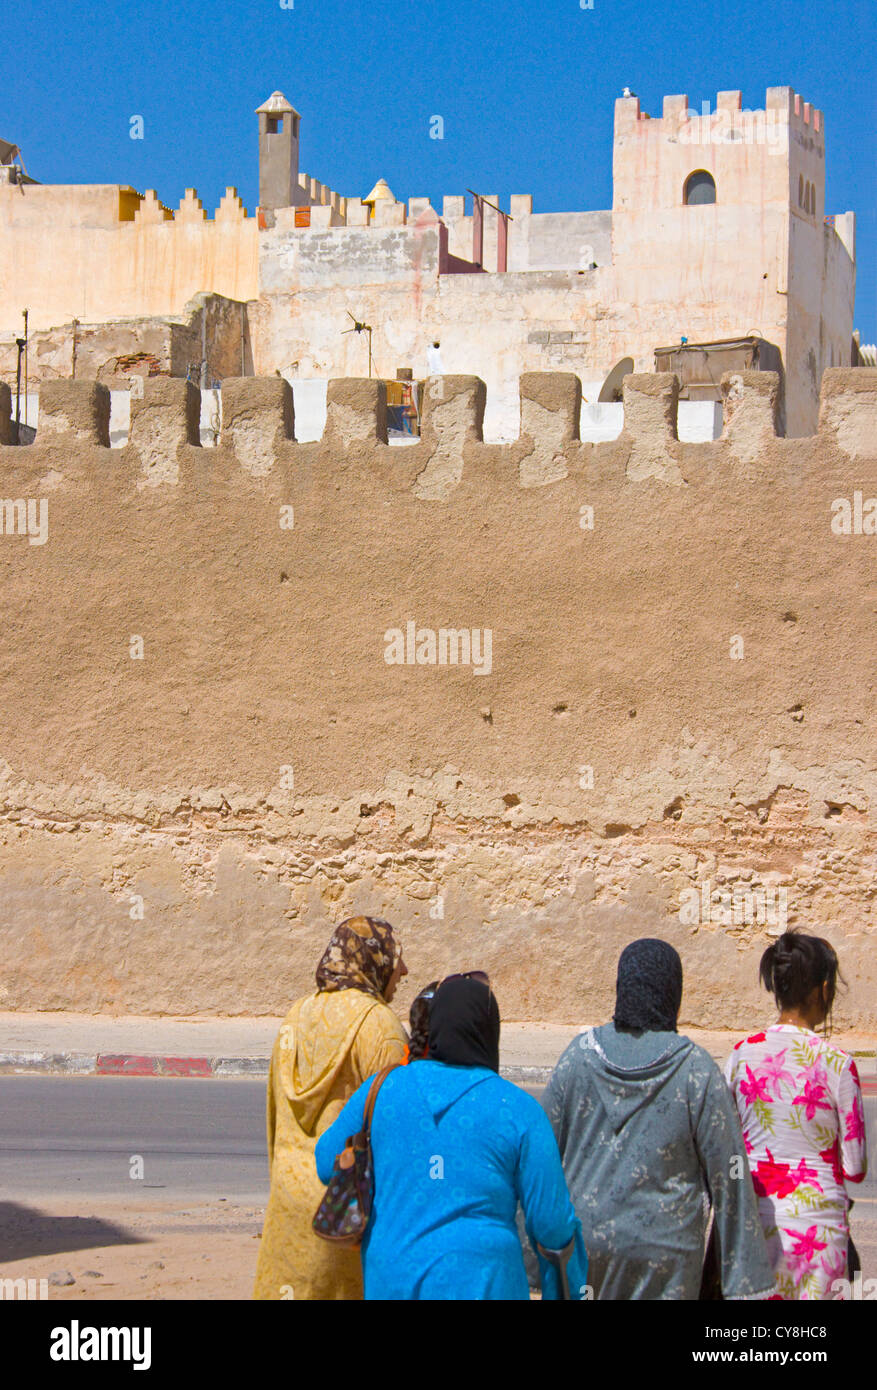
x=99, y=252
x=581, y=290
x=220, y=734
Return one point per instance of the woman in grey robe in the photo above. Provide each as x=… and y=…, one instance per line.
x=649, y=1137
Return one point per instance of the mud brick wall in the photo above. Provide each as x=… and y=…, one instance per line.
x=206, y=757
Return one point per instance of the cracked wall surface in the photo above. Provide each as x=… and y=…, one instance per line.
x=207, y=758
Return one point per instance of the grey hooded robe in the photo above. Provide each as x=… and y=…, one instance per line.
x=649, y=1135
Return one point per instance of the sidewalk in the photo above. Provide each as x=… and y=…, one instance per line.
x=97, y=1045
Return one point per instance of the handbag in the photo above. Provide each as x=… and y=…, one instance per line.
x=343, y=1215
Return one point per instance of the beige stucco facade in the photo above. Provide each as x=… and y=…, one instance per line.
x=207, y=757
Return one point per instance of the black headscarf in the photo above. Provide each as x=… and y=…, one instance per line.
x=464, y=1025
x=649, y=987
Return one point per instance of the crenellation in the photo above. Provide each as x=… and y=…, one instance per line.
x=650, y=427
x=389, y=214
x=151, y=210
x=782, y=100
x=356, y=413
x=243, y=606
x=231, y=208
x=452, y=422
x=75, y=411
x=258, y=415
x=650, y=404
x=675, y=108
x=627, y=115
x=551, y=406
x=848, y=410
x=258, y=419
x=164, y=419
x=578, y=291
x=191, y=209
x=453, y=408
x=751, y=402
x=356, y=213
x=453, y=206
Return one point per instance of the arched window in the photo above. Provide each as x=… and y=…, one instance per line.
x=813, y=197
x=800, y=190
x=700, y=187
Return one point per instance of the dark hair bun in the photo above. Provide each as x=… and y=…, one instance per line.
x=795, y=965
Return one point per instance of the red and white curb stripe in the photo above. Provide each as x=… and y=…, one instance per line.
x=128, y=1064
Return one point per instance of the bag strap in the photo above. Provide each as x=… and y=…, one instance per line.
x=372, y=1097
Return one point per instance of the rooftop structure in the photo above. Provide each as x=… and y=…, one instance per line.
x=717, y=231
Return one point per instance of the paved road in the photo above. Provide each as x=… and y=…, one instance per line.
x=60, y=1136
x=64, y=1135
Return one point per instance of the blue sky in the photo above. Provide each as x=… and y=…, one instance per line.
x=525, y=88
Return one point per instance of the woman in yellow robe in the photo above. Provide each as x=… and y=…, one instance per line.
x=330, y=1042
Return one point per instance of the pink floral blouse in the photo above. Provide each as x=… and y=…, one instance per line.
x=800, y=1104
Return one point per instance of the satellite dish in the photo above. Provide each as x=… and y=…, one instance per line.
x=611, y=388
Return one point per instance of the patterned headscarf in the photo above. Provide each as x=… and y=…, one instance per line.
x=649, y=987
x=362, y=954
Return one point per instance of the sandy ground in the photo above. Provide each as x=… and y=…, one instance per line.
x=171, y=1251
x=175, y=1250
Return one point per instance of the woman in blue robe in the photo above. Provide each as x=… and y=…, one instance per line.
x=455, y=1149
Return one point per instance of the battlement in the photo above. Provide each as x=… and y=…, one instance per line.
x=783, y=106
x=258, y=426
x=152, y=211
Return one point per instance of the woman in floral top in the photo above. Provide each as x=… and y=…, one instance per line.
x=800, y=1105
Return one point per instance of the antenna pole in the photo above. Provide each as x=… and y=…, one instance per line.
x=25, y=317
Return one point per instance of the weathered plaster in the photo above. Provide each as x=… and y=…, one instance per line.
x=179, y=832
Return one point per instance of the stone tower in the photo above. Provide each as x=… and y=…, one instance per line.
x=726, y=207
x=279, y=125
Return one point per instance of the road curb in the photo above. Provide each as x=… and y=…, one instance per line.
x=134, y=1064
x=204, y=1068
